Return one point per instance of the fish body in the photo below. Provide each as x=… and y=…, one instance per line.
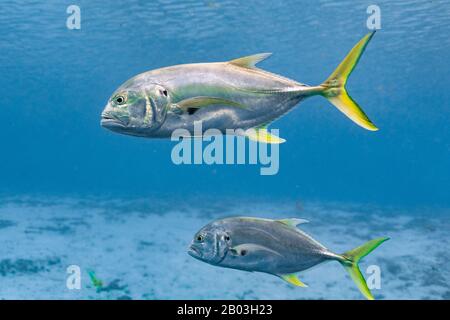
x=221, y=95
x=264, y=96
x=276, y=247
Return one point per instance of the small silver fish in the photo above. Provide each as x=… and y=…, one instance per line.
x=222, y=95
x=277, y=247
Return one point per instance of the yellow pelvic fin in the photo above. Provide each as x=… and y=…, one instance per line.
x=262, y=135
x=293, y=279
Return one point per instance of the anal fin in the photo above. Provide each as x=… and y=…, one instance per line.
x=292, y=279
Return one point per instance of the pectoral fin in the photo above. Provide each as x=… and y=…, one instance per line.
x=292, y=279
x=249, y=248
x=262, y=135
x=200, y=102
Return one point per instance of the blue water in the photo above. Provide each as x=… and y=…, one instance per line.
x=55, y=83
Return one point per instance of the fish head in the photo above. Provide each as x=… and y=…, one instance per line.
x=211, y=244
x=136, y=110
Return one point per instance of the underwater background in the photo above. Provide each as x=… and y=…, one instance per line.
x=72, y=192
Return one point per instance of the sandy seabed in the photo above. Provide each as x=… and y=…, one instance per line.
x=138, y=249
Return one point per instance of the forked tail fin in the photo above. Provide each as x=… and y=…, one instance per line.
x=350, y=260
x=334, y=87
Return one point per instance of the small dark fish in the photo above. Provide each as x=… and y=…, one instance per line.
x=276, y=247
x=96, y=282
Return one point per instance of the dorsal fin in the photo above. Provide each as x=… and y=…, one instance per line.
x=250, y=61
x=293, y=222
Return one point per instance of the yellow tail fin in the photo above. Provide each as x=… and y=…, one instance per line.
x=334, y=86
x=350, y=260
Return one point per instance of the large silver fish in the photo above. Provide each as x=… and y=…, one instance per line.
x=223, y=95
x=276, y=247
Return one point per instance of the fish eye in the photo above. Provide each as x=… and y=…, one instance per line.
x=227, y=238
x=163, y=92
x=200, y=238
x=120, y=99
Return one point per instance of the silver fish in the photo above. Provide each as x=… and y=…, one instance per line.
x=276, y=247
x=222, y=95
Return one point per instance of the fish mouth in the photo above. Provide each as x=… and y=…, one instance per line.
x=194, y=252
x=110, y=122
